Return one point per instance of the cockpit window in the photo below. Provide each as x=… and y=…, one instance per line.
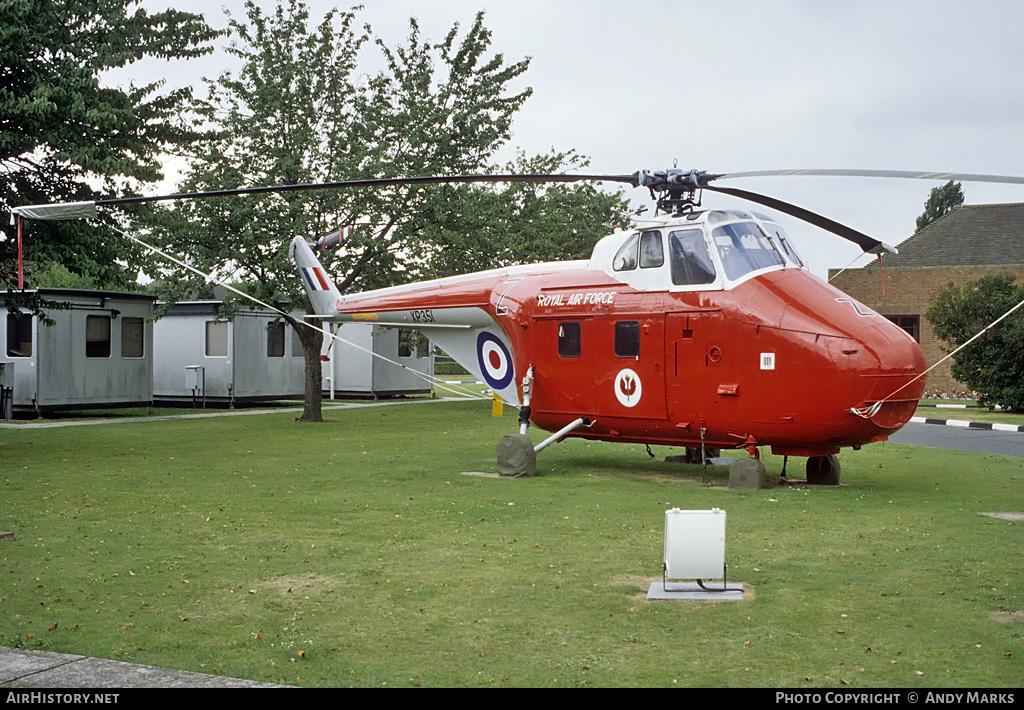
x=625, y=257
x=778, y=235
x=744, y=248
x=691, y=260
x=652, y=253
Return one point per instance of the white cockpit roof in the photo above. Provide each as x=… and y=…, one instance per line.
x=709, y=249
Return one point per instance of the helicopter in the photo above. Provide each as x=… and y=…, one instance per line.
x=701, y=329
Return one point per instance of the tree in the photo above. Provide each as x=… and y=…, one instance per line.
x=468, y=228
x=64, y=136
x=940, y=201
x=994, y=363
x=299, y=111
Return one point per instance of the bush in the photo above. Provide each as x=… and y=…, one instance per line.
x=994, y=363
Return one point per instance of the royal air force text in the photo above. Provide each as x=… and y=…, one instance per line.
x=605, y=298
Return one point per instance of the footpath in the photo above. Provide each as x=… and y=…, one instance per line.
x=37, y=669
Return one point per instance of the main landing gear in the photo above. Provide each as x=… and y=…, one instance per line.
x=823, y=471
x=749, y=473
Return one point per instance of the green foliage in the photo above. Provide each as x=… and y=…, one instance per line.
x=467, y=228
x=54, y=275
x=64, y=134
x=302, y=110
x=940, y=201
x=994, y=363
x=449, y=368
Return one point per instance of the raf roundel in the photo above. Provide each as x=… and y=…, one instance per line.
x=495, y=361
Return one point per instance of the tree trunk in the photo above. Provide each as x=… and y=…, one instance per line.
x=312, y=341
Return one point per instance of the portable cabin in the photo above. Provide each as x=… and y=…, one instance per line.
x=97, y=353
x=201, y=358
x=401, y=362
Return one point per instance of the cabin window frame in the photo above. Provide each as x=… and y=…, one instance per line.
x=275, y=340
x=221, y=330
x=909, y=322
x=744, y=248
x=651, y=258
x=133, y=342
x=628, y=260
x=412, y=344
x=687, y=264
x=18, y=326
x=570, y=339
x=98, y=336
x=627, y=338
x=406, y=343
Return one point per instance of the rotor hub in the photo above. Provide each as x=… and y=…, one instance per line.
x=675, y=191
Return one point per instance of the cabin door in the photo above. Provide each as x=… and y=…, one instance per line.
x=607, y=366
x=628, y=369
x=691, y=354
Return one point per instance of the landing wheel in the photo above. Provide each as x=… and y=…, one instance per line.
x=823, y=471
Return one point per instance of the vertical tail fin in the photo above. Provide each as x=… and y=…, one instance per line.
x=323, y=294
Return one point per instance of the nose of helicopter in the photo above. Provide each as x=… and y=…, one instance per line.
x=891, y=379
x=869, y=372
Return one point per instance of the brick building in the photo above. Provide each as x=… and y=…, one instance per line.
x=970, y=241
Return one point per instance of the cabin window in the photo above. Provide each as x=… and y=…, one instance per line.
x=275, y=339
x=627, y=338
x=406, y=343
x=97, y=336
x=652, y=252
x=132, y=337
x=569, y=340
x=744, y=248
x=782, y=241
x=691, y=260
x=19, y=335
x=217, y=338
x=911, y=324
x=625, y=257
x=412, y=343
x=296, y=344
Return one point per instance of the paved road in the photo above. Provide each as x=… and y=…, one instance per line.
x=963, y=438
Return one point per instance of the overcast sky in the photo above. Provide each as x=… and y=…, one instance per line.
x=733, y=86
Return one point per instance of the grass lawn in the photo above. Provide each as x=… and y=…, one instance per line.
x=971, y=414
x=356, y=553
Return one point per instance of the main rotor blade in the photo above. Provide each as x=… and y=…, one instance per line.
x=910, y=174
x=868, y=244
x=57, y=211
x=375, y=183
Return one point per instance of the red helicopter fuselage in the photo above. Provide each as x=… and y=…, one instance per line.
x=699, y=330
x=781, y=359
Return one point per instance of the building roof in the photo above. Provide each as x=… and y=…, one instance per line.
x=970, y=235
x=55, y=294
